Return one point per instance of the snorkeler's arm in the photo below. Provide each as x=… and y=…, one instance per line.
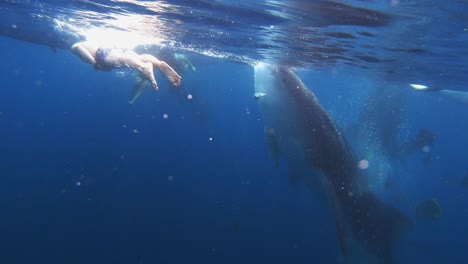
x=83, y=53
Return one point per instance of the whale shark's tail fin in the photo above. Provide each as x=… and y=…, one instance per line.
x=376, y=226
x=367, y=228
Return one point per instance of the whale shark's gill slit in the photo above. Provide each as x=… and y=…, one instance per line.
x=366, y=226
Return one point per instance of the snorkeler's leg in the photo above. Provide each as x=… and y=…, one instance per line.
x=82, y=51
x=173, y=77
x=132, y=60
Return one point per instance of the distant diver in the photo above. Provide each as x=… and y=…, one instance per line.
x=428, y=210
x=422, y=141
x=321, y=158
x=460, y=97
x=179, y=62
x=140, y=84
x=109, y=58
x=184, y=62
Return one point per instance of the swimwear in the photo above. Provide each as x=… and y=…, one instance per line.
x=101, y=63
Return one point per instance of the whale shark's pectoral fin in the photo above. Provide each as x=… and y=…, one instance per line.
x=273, y=146
x=295, y=176
x=138, y=87
x=342, y=229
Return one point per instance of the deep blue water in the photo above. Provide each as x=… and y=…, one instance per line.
x=89, y=178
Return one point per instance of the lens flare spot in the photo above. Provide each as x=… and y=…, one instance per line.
x=363, y=164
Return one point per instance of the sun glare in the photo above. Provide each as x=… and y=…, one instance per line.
x=117, y=38
x=120, y=30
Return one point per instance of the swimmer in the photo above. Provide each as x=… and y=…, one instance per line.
x=106, y=59
x=460, y=97
x=186, y=64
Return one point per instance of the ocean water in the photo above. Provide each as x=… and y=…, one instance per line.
x=87, y=177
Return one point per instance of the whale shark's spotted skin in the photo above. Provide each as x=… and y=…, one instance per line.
x=309, y=140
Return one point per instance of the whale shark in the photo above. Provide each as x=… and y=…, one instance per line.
x=318, y=154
